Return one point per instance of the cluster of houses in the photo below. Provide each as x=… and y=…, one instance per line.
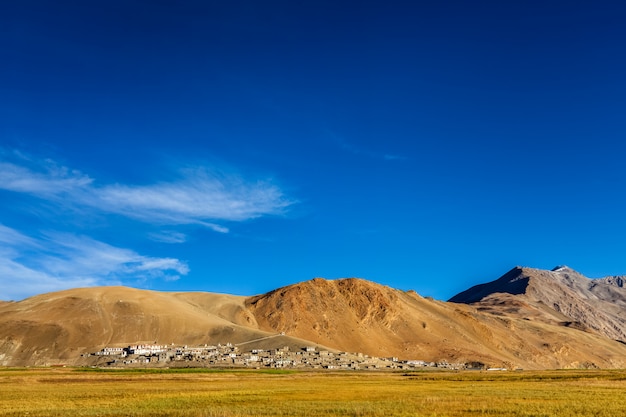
x=229, y=355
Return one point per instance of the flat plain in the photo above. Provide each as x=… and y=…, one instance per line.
x=203, y=393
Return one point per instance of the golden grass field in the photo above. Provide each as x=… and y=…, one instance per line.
x=80, y=392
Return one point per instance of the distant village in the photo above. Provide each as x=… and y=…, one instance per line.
x=228, y=355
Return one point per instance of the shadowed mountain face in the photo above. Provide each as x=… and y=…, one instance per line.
x=513, y=282
x=528, y=318
x=559, y=296
x=617, y=281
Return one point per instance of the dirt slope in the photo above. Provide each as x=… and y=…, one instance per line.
x=561, y=296
x=360, y=316
x=504, y=328
x=59, y=327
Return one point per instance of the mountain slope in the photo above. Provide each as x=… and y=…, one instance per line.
x=356, y=315
x=503, y=328
x=559, y=296
x=59, y=327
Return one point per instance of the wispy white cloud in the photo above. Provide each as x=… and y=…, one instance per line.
x=19, y=281
x=50, y=180
x=32, y=262
x=168, y=236
x=12, y=238
x=55, y=261
x=199, y=196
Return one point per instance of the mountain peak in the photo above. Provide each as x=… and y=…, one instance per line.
x=562, y=295
x=562, y=268
x=528, y=317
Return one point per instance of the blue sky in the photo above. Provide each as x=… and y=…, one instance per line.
x=241, y=146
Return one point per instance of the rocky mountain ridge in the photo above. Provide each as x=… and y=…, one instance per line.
x=560, y=295
x=528, y=318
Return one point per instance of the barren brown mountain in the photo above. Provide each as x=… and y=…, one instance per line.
x=59, y=327
x=561, y=296
x=357, y=315
x=354, y=315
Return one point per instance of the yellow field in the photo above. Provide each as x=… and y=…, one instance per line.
x=75, y=392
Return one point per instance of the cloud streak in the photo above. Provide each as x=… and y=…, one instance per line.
x=199, y=196
x=55, y=261
x=49, y=181
x=168, y=236
x=33, y=262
